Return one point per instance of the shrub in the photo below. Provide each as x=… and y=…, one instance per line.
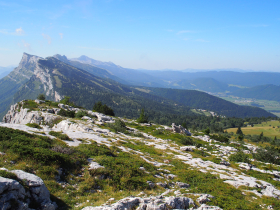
x=240, y=157
x=206, y=131
x=25, y=146
x=55, y=121
x=118, y=126
x=81, y=113
x=270, y=155
x=34, y=125
x=103, y=108
x=187, y=141
x=32, y=105
x=220, y=138
x=41, y=97
x=66, y=113
x=59, y=135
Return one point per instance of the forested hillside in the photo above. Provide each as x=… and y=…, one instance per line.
x=264, y=92
x=203, y=100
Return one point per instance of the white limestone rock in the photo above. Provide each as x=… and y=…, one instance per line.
x=206, y=207
x=11, y=190
x=188, y=148
x=151, y=203
x=93, y=165
x=204, y=198
x=180, y=129
x=182, y=185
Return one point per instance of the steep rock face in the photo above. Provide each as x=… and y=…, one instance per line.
x=40, y=82
x=14, y=196
x=25, y=69
x=10, y=84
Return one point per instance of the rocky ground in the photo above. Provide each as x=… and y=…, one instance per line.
x=211, y=157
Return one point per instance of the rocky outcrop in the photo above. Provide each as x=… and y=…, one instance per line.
x=180, y=129
x=151, y=203
x=14, y=196
x=19, y=115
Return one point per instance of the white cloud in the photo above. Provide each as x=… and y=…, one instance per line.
x=19, y=31
x=185, y=31
x=47, y=37
x=25, y=45
x=61, y=35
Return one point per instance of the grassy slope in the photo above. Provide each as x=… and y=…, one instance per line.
x=36, y=154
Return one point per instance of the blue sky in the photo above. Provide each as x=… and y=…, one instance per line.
x=154, y=34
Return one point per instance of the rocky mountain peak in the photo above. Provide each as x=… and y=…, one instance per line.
x=61, y=57
x=27, y=59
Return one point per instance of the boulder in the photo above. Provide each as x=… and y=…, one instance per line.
x=164, y=185
x=180, y=129
x=151, y=184
x=182, y=185
x=204, y=198
x=14, y=196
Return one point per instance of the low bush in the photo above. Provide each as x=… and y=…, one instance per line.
x=240, y=157
x=187, y=141
x=220, y=138
x=118, y=126
x=34, y=125
x=66, y=113
x=35, y=148
x=81, y=113
x=59, y=135
x=103, y=108
x=32, y=105
x=269, y=155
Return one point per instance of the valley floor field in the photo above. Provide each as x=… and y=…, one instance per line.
x=270, y=106
x=269, y=129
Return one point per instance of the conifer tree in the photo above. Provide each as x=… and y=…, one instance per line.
x=239, y=131
x=143, y=118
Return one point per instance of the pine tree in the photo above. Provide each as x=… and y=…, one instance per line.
x=143, y=118
x=239, y=131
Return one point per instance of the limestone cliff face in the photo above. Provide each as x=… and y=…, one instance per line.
x=25, y=68
x=30, y=67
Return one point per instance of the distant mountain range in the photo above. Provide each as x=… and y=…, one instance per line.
x=209, y=81
x=4, y=71
x=86, y=84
